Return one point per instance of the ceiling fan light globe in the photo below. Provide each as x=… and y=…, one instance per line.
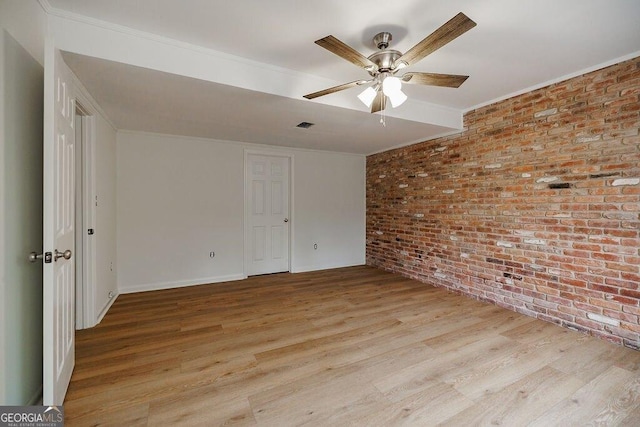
x=367, y=96
x=391, y=85
x=397, y=98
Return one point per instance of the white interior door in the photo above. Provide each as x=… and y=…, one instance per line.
x=58, y=228
x=267, y=228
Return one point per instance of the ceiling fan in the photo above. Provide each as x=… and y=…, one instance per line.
x=384, y=64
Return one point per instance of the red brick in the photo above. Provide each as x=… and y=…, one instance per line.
x=631, y=309
x=606, y=305
x=621, y=283
x=630, y=293
x=620, y=315
x=606, y=256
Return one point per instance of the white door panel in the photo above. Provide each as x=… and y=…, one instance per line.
x=267, y=228
x=58, y=228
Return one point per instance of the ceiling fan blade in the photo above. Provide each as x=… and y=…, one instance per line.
x=379, y=102
x=452, y=29
x=434, y=79
x=335, y=89
x=345, y=51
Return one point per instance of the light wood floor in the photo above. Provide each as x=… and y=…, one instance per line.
x=345, y=347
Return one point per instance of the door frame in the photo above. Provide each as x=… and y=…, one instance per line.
x=85, y=209
x=246, y=184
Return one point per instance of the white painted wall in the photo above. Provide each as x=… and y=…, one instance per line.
x=26, y=21
x=22, y=29
x=3, y=281
x=329, y=210
x=180, y=198
x=21, y=151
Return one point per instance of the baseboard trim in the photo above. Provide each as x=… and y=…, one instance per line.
x=180, y=284
x=207, y=280
x=106, y=308
x=308, y=268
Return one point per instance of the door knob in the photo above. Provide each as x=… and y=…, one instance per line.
x=66, y=254
x=35, y=256
x=286, y=220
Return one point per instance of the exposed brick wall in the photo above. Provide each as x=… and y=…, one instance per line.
x=535, y=206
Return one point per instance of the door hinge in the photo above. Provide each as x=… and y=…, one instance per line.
x=90, y=232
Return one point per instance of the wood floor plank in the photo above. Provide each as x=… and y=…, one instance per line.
x=520, y=403
x=437, y=366
x=488, y=377
x=606, y=400
x=483, y=328
x=431, y=406
x=193, y=408
x=346, y=347
x=136, y=415
x=592, y=358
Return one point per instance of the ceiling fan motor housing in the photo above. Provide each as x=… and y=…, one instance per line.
x=385, y=58
x=381, y=40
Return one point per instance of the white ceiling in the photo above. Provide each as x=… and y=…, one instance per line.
x=516, y=46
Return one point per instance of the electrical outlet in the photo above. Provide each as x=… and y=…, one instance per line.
x=212, y=254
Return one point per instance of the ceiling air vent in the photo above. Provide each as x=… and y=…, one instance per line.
x=305, y=125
